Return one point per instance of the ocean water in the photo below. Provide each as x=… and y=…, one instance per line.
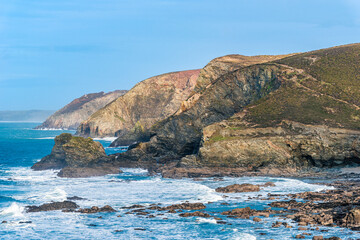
x=21, y=147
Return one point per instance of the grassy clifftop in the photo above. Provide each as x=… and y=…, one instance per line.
x=320, y=87
x=336, y=71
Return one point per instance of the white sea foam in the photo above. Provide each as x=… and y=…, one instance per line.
x=206, y=220
x=56, y=195
x=106, y=139
x=26, y=174
x=14, y=210
x=44, y=138
x=293, y=185
x=52, y=129
x=134, y=170
x=243, y=236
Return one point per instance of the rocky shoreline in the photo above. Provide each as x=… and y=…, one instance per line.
x=308, y=212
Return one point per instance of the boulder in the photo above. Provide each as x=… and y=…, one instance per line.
x=352, y=218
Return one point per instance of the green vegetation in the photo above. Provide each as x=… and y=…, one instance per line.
x=217, y=138
x=292, y=102
x=120, y=118
x=327, y=92
x=337, y=71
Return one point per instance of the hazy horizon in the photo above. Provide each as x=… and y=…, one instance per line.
x=52, y=52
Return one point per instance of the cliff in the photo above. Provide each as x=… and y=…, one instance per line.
x=295, y=112
x=218, y=67
x=70, y=116
x=148, y=102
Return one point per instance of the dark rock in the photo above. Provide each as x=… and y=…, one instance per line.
x=140, y=229
x=84, y=172
x=184, y=206
x=133, y=206
x=68, y=205
x=74, y=198
x=22, y=222
x=246, y=213
x=236, y=188
x=95, y=209
x=195, y=214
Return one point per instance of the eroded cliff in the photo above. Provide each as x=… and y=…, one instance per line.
x=148, y=102
x=70, y=116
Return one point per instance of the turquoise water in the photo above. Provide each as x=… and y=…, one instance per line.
x=21, y=146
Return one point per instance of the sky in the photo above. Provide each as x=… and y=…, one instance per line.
x=53, y=51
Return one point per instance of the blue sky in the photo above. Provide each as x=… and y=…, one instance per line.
x=53, y=51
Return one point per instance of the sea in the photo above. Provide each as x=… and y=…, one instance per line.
x=21, y=146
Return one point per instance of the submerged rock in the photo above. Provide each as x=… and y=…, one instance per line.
x=65, y=205
x=77, y=157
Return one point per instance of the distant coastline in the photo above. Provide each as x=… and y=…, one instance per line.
x=35, y=116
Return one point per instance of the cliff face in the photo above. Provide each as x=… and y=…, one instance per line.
x=299, y=111
x=148, y=102
x=70, y=116
x=180, y=134
x=218, y=67
x=288, y=144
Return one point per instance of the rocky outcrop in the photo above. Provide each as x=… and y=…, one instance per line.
x=148, y=102
x=289, y=144
x=65, y=205
x=70, y=116
x=77, y=157
x=95, y=209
